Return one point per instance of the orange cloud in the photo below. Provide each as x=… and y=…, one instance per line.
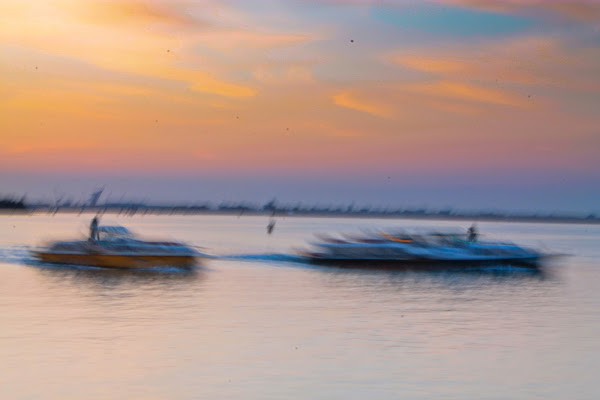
x=527, y=61
x=278, y=75
x=117, y=47
x=128, y=11
x=468, y=92
x=349, y=100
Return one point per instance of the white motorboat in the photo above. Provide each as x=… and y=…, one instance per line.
x=421, y=250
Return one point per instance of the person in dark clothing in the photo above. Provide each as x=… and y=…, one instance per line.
x=94, y=229
x=472, y=237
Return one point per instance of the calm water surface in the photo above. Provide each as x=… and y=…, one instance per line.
x=255, y=324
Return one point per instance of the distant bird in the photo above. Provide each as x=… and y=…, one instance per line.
x=351, y=40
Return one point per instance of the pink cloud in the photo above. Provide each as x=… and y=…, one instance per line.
x=581, y=10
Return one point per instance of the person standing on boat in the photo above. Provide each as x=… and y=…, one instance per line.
x=94, y=229
x=271, y=226
x=472, y=237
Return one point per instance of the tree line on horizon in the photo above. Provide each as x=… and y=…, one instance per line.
x=272, y=207
x=12, y=203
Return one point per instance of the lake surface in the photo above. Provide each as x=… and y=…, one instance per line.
x=255, y=324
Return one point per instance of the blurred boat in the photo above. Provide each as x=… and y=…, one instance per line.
x=117, y=247
x=419, y=250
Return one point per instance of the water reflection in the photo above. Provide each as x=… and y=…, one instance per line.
x=428, y=282
x=438, y=292
x=497, y=272
x=116, y=276
x=167, y=278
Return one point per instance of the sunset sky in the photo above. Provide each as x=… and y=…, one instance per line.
x=476, y=104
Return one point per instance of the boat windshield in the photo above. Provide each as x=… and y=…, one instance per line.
x=114, y=232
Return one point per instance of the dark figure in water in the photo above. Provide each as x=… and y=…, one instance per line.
x=270, y=226
x=94, y=229
x=472, y=237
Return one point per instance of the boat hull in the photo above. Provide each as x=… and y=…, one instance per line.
x=118, y=260
x=424, y=263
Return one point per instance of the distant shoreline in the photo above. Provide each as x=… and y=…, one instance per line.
x=131, y=211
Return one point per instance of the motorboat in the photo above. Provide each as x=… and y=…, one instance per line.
x=419, y=250
x=118, y=247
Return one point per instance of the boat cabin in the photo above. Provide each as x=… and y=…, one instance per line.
x=114, y=232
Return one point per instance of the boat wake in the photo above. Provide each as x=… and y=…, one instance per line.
x=499, y=270
x=269, y=257
x=17, y=255
x=22, y=255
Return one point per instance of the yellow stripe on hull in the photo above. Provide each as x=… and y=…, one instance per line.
x=117, y=261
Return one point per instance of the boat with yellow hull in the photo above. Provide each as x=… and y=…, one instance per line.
x=117, y=247
x=117, y=260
